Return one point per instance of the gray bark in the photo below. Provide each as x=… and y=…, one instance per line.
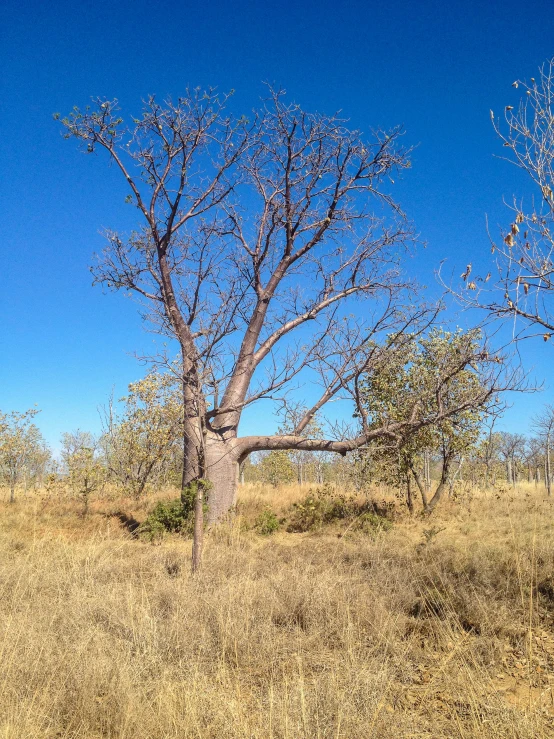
x=222, y=470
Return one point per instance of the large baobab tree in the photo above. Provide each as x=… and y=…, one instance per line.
x=270, y=249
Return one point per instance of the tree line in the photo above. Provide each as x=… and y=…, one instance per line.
x=139, y=448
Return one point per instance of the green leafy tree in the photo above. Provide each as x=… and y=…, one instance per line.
x=86, y=471
x=140, y=443
x=277, y=467
x=302, y=459
x=20, y=441
x=431, y=378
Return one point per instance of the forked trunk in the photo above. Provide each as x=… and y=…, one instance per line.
x=441, y=486
x=421, y=485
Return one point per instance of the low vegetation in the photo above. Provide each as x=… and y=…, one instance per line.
x=370, y=623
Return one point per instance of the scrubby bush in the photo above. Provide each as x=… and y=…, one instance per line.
x=173, y=516
x=326, y=506
x=372, y=523
x=267, y=522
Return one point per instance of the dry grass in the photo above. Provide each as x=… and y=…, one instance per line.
x=404, y=634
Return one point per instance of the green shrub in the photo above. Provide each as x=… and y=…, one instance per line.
x=171, y=516
x=267, y=522
x=325, y=506
x=372, y=523
x=174, y=516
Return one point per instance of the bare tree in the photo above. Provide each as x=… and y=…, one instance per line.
x=512, y=449
x=544, y=424
x=534, y=455
x=270, y=248
x=522, y=284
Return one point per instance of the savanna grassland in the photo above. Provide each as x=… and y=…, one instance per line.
x=419, y=627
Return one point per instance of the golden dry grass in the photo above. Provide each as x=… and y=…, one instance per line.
x=403, y=634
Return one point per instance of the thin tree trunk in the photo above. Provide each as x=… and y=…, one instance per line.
x=547, y=475
x=427, y=470
x=409, y=499
x=198, y=536
x=421, y=486
x=453, y=478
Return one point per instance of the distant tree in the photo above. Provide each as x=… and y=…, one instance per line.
x=512, y=450
x=544, y=425
x=293, y=415
x=489, y=451
x=83, y=465
x=20, y=443
x=72, y=443
x=534, y=458
x=277, y=468
x=415, y=387
x=139, y=442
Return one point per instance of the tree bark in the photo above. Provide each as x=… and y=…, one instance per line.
x=409, y=498
x=198, y=536
x=548, y=475
x=222, y=471
x=421, y=485
x=509, y=471
x=440, y=489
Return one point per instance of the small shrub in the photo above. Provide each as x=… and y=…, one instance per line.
x=172, y=516
x=267, y=522
x=372, y=523
x=325, y=506
x=429, y=536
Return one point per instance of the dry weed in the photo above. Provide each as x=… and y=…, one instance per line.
x=405, y=634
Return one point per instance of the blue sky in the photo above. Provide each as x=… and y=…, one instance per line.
x=435, y=67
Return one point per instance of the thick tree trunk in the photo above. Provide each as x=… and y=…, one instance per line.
x=509, y=471
x=192, y=450
x=222, y=470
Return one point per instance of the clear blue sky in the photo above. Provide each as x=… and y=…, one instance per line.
x=436, y=67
